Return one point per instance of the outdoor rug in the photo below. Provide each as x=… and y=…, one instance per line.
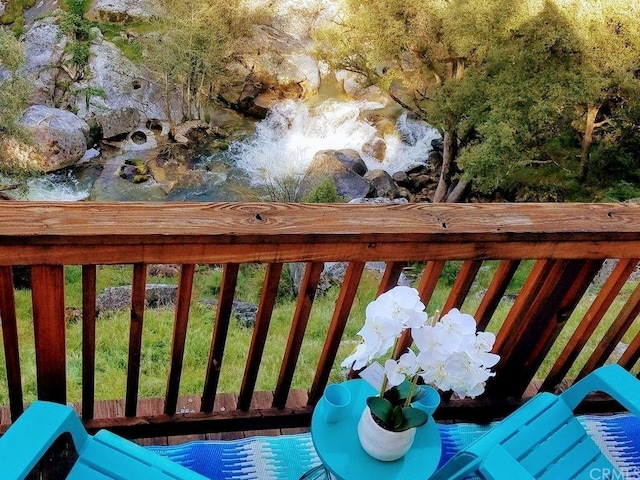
x=288, y=457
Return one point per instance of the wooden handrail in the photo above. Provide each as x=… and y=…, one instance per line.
x=564, y=244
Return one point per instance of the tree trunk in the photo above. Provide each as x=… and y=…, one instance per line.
x=587, y=141
x=459, y=192
x=448, y=156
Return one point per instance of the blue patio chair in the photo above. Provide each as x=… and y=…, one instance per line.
x=543, y=439
x=100, y=457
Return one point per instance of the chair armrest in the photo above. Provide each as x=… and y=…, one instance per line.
x=460, y=466
x=22, y=446
x=500, y=465
x=613, y=380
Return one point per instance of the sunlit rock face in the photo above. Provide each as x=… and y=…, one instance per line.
x=59, y=137
x=120, y=11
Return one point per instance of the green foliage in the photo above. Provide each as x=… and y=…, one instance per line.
x=14, y=93
x=13, y=10
x=77, y=7
x=323, y=192
x=391, y=411
x=194, y=43
x=131, y=48
x=80, y=52
x=621, y=192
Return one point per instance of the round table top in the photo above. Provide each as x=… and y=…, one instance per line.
x=339, y=449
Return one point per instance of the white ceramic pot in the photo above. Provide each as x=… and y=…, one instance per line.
x=382, y=444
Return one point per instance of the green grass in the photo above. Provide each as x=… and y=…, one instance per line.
x=112, y=337
x=112, y=332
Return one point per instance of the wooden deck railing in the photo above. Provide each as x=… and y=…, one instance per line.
x=565, y=243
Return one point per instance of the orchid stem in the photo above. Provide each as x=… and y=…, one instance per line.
x=414, y=383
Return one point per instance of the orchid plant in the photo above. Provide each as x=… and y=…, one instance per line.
x=448, y=354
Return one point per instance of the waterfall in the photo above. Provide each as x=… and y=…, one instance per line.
x=285, y=142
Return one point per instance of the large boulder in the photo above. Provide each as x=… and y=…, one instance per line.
x=344, y=167
x=121, y=11
x=119, y=298
x=60, y=137
x=382, y=183
x=121, y=92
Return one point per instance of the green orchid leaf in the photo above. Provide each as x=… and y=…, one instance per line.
x=397, y=418
x=413, y=417
x=381, y=408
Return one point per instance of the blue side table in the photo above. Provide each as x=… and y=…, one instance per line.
x=339, y=449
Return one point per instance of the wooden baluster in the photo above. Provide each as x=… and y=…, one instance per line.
x=462, y=285
x=616, y=331
x=491, y=299
x=10, y=341
x=296, y=335
x=589, y=322
x=391, y=276
x=220, y=329
x=426, y=287
x=513, y=326
x=336, y=329
x=181, y=321
x=513, y=341
x=553, y=315
x=260, y=331
x=630, y=356
x=47, y=292
x=138, y=295
x=88, y=340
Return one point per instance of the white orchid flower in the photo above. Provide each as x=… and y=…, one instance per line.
x=394, y=373
x=404, y=306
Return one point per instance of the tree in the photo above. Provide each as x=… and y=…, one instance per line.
x=610, y=32
x=420, y=51
x=14, y=90
x=194, y=43
x=504, y=81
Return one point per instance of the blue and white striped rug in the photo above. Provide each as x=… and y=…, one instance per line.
x=288, y=457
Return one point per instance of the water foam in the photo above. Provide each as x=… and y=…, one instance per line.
x=285, y=142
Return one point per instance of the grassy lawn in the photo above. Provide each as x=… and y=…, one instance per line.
x=112, y=332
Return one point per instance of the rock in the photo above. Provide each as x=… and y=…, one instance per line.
x=350, y=185
x=184, y=130
x=45, y=45
x=332, y=274
x=121, y=11
x=345, y=167
x=272, y=66
x=163, y=270
x=380, y=267
x=438, y=144
x=376, y=148
x=118, y=85
x=401, y=178
x=118, y=121
x=244, y=312
x=61, y=137
x=435, y=159
x=326, y=161
x=119, y=298
x=382, y=183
